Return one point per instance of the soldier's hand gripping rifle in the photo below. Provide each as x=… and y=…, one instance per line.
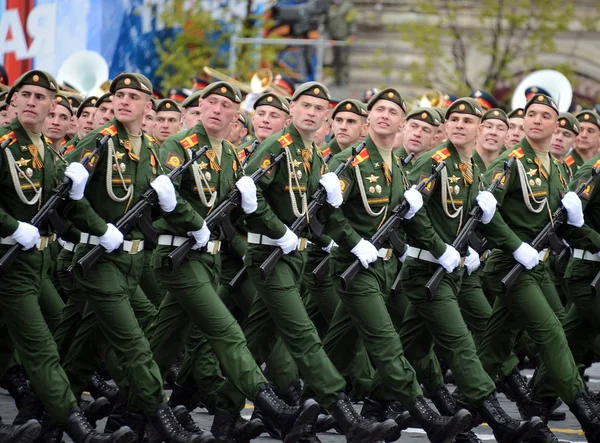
x=220, y=216
x=461, y=242
x=48, y=212
x=310, y=218
x=548, y=236
x=136, y=214
x=388, y=232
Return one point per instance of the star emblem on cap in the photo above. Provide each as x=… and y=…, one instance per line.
x=167, y=105
x=540, y=98
x=223, y=89
x=316, y=91
x=586, y=116
x=496, y=113
x=563, y=122
x=390, y=95
x=269, y=99
x=424, y=115
x=461, y=107
x=348, y=106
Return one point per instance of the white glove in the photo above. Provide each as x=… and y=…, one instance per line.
x=248, y=190
x=472, y=261
x=112, y=238
x=330, y=246
x=78, y=175
x=572, y=204
x=289, y=241
x=450, y=259
x=202, y=236
x=331, y=183
x=26, y=235
x=365, y=252
x=527, y=256
x=415, y=200
x=166, y=193
x=487, y=202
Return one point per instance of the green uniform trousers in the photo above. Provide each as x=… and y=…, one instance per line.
x=362, y=313
x=25, y=327
x=148, y=282
x=527, y=308
x=440, y=321
x=110, y=324
x=581, y=325
x=278, y=311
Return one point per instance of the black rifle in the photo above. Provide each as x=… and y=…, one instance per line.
x=249, y=151
x=48, y=212
x=6, y=143
x=388, y=232
x=310, y=218
x=137, y=215
x=596, y=285
x=406, y=160
x=548, y=237
x=461, y=242
x=220, y=216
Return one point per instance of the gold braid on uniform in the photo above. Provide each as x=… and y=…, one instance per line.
x=292, y=176
x=200, y=181
x=363, y=195
x=109, y=175
x=526, y=189
x=15, y=170
x=444, y=185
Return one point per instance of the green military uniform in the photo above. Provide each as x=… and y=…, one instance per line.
x=278, y=306
x=27, y=180
x=573, y=162
x=193, y=286
x=524, y=201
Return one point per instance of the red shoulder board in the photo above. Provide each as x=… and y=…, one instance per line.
x=569, y=161
x=111, y=130
x=241, y=155
x=69, y=149
x=47, y=140
x=518, y=153
x=5, y=137
x=285, y=140
x=596, y=164
x=441, y=155
x=364, y=155
x=326, y=152
x=189, y=142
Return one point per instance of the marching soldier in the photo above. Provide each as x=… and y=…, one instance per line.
x=29, y=177
x=440, y=135
x=238, y=130
x=168, y=120
x=563, y=139
x=57, y=123
x=525, y=201
x=104, y=110
x=271, y=115
x=420, y=129
x=191, y=110
x=85, y=123
x=587, y=142
x=348, y=124
x=515, y=127
x=149, y=121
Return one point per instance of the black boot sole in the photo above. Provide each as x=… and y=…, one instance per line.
x=251, y=431
x=459, y=423
x=325, y=424
x=123, y=435
x=28, y=432
x=386, y=431
x=304, y=421
x=535, y=424
x=99, y=409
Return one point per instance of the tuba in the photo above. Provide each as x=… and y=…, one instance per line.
x=549, y=80
x=84, y=71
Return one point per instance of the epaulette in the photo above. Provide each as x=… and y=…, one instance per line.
x=518, y=153
x=241, y=155
x=8, y=135
x=285, y=140
x=189, y=142
x=69, y=149
x=47, y=140
x=110, y=130
x=364, y=155
x=596, y=164
x=150, y=138
x=326, y=152
x=569, y=160
x=441, y=155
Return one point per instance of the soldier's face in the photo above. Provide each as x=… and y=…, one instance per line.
x=462, y=129
x=103, y=114
x=167, y=123
x=385, y=118
x=322, y=133
x=217, y=114
x=439, y=136
x=85, y=122
x=33, y=104
x=540, y=122
x=347, y=128
x=492, y=134
x=589, y=138
x=130, y=105
x=562, y=141
x=516, y=131
x=418, y=135
x=4, y=117
x=236, y=133
x=309, y=113
x=191, y=116
x=57, y=123
x=267, y=120
x=149, y=122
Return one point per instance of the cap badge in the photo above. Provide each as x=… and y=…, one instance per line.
x=36, y=78
x=424, y=115
x=348, y=106
x=127, y=81
x=269, y=99
x=461, y=107
x=316, y=91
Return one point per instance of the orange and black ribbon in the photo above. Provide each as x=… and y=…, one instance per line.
x=386, y=173
x=306, y=157
x=212, y=159
x=541, y=168
x=37, y=163
x=467, y=175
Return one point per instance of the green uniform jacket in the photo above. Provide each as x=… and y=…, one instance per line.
x=97, y=208
x=191, y=210
x=12, y=208
x=432, y=228
x=573, y=162
x=274, y=193
x=330, y=149
x=247, y=143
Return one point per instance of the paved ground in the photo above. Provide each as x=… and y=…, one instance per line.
x=567, y=431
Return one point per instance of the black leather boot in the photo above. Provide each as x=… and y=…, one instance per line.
x=541, y=409
x=14, y=381
x=23, y=433
x=98, y=387
x=381, y=411
x=229, y=427
x=116, y=419
x=268, y=423
x=292, y=421
x=507, y=429
x=136, y=422
x=585, y=411
x=446, y=404
x=96, y=409
x=80, y=430
x=293, y=395
x=170, y=430
x=247, y=430
x=187, y=422
x=439, y=429
x=515, y=387
x=31, y=409
x=358, y=428
x=50, y=433
x=183, y=395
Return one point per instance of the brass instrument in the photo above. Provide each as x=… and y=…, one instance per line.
x=553, y=82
